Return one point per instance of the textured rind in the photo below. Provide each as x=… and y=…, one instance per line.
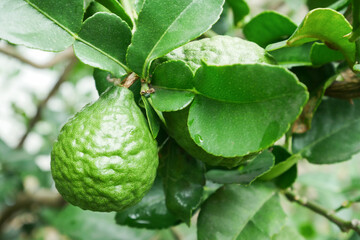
x=105, y=158
x=219, y=50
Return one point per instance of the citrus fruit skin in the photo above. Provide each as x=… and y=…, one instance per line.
x=219, y=50
x=105, y=158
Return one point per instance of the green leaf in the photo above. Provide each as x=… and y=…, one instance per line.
x=320, y=54
x=164, y=25
x=101, y=82
x=103, y=42
x=220, y=50
x=334, y=136
x=330, y=27
x=184, y=179
x=169, y=80
x=269, y=27
x=240, y=9
x=293, y=56
x=44, y=25
x=150, y=213
x=237, y=212
x=245, y=174
x=93, y=8
x=287, y=178
x=247, y=111
x=78, y=224
x=281, y=167
x=115, y=7
x=151, y=117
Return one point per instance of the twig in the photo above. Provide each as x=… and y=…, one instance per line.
x=43, y=103
x=26, y=201
x=344, y=225
x=11, y=51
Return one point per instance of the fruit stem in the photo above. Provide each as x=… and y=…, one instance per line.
x=129, y=80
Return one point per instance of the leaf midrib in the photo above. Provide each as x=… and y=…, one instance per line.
x=328, y=135
x=76, y=37
x=253, y=214
x=196, y=92
x=147, y=59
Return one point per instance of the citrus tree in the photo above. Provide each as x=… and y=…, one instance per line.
x=204, y=111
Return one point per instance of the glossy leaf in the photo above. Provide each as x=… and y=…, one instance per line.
x=94, y=7
x=252, y=114
x=237, y=212
x=330, y=27
x=245, y=174
x=41, y=24
x=240, y=9
x=184, y=179
x=163, y=25
x=220, y=50
x=151, y=117
x=334, y=136
x=115, y=7
x=320, y=54
x=293, y=56
x=169, y=80
x=269, y=27
x=104, y=41
x=287, y=178
x=150, y=212
x=79, y=224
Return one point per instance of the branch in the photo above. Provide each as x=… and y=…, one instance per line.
x=344, y=225
x=11, y=51
x=26, y=201
x=63, y=77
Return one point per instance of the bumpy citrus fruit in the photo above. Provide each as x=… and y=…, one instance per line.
x=105, y=158
x=220, y=50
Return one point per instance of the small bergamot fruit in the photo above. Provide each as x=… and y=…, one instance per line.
x=219, y=50
x=105, y=158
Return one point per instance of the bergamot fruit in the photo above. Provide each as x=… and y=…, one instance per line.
x=105, y=158
x=220, y=50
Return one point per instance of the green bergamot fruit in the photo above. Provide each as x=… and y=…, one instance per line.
x=105, y=158
x=220, y=50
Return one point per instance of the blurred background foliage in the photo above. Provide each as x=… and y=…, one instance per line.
x=39, y=91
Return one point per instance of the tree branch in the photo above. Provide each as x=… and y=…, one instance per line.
x=11, y=51
x=63, y=77
x=344, y=225
x=25, y=201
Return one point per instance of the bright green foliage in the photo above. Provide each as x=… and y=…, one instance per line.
x=150, y=43
x=237, y=212
x=115, y=7
x=234, y=92
x=104, y=48
x=32, y=24
x=244, y=174
x=240, y=9
x=330, y=27
x=334, y=134
x=105, y=158
x=321, y=54
x=269, y=27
